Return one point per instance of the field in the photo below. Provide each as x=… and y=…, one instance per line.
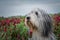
x=13, y=28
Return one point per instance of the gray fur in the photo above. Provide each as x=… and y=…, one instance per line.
x=44, y=24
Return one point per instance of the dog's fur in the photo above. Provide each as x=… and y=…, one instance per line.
x=41, y=24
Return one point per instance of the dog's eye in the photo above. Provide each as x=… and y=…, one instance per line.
x=36, y=13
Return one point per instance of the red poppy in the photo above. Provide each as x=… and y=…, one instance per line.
x=2, y=22
x=14, y=22
x=7, y=22
x=5, y=29
x=57, y=18
x=18, y=21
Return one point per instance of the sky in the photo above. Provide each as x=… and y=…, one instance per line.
x=22, y=7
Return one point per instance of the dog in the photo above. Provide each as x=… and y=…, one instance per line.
x=41, y=25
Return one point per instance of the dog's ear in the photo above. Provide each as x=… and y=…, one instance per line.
x=47, y=25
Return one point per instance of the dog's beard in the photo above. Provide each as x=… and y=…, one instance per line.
x=31, y=25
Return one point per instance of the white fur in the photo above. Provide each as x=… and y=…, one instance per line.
x=38, y=22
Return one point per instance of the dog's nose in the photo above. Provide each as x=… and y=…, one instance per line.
x=28, y=18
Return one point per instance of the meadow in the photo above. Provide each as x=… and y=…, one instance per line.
x=13, y=28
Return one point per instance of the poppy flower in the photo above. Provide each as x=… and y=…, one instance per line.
x=7, y=22
x=18, y=21
x=5, y=29
x=2, y=22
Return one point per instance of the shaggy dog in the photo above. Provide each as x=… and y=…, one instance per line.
x=41, y=24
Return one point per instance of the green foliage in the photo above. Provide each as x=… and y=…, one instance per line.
x=56, y=18
x=20, y=31
x=15, y=32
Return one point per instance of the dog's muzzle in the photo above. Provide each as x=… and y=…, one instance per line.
x=30, y=24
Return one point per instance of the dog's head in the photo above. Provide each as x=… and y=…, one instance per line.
x=39, y=20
